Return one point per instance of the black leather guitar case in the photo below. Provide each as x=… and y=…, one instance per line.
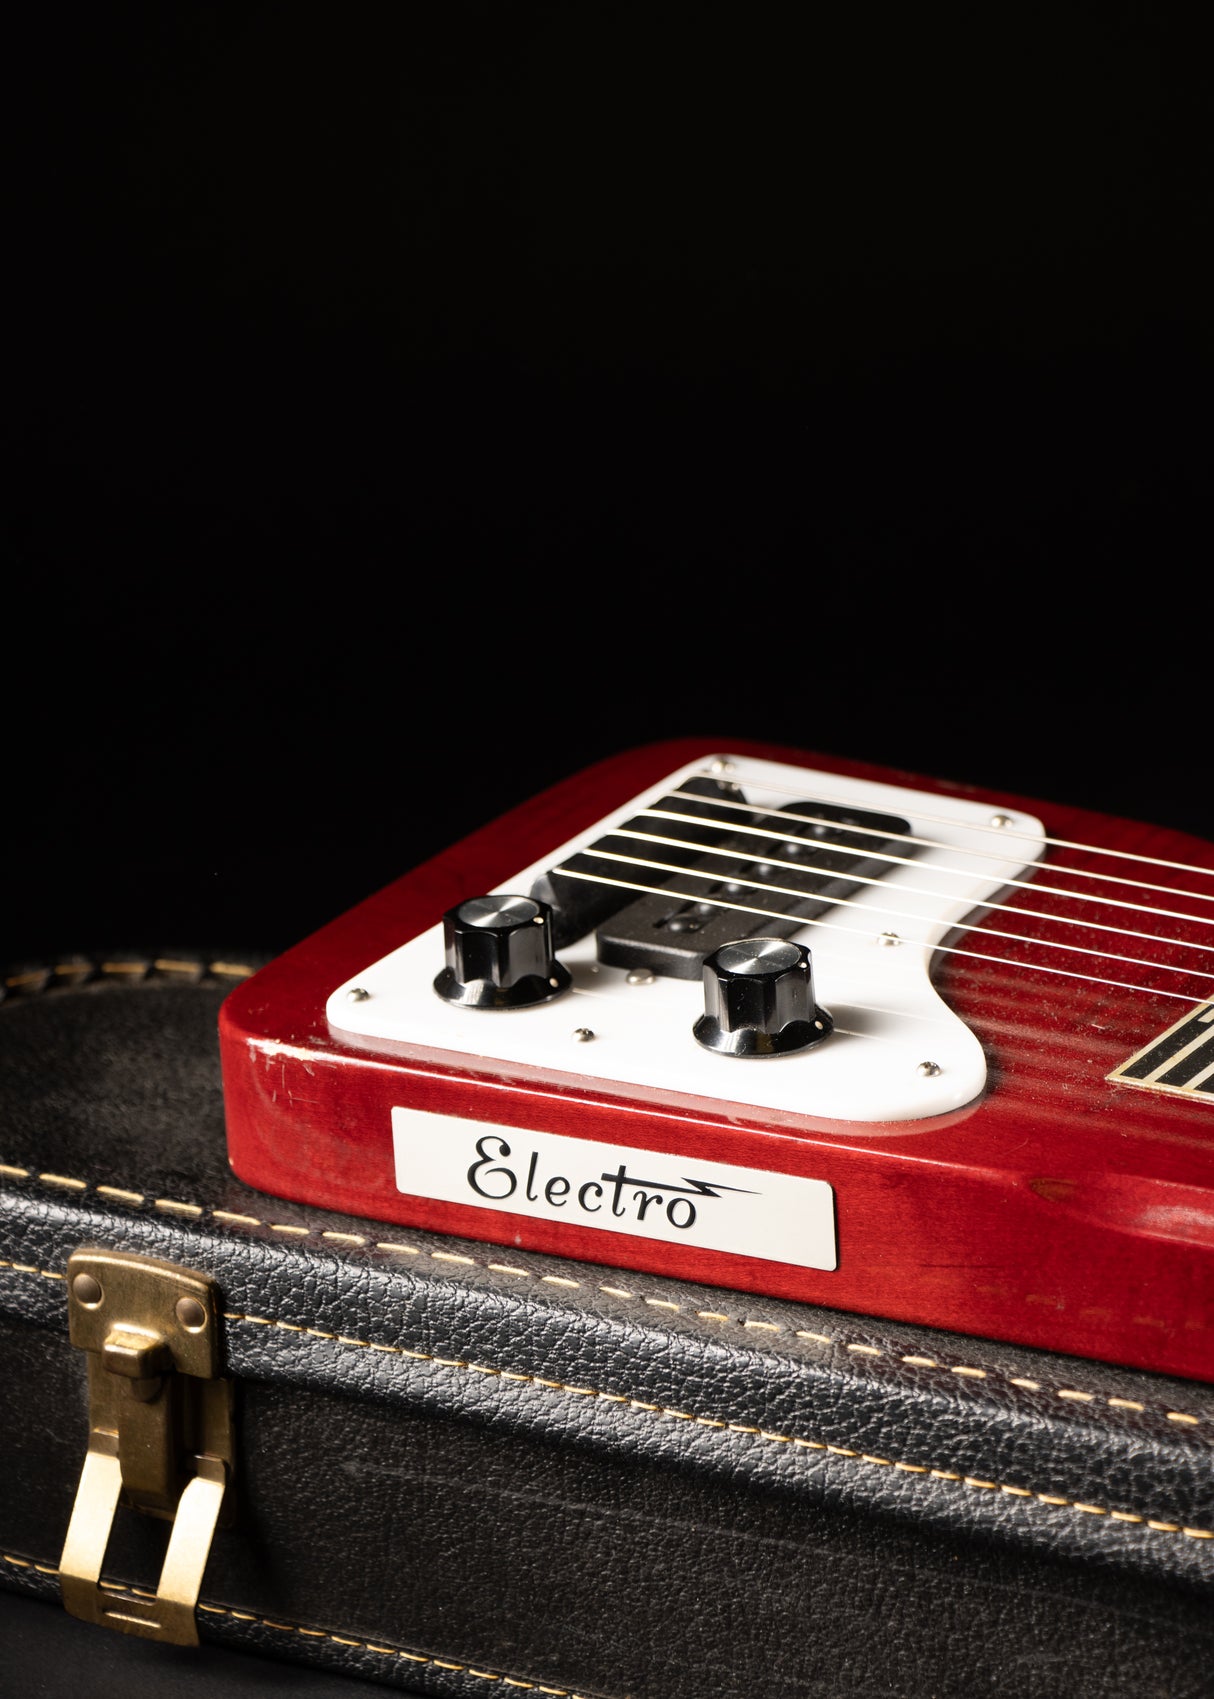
x=460, y=1470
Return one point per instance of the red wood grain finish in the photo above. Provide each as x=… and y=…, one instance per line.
x=1059, y=1210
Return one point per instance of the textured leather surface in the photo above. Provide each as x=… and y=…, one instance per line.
x=601, y=1482
x=49, y=1655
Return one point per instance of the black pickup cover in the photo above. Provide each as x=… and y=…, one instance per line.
x=671, y=931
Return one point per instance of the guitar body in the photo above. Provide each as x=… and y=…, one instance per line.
x=953, y=1153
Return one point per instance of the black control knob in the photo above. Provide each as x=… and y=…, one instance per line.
x=759, y=999
x=499, y=954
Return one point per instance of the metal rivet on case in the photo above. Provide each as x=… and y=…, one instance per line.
x=191, y=1314
x=87, y=1291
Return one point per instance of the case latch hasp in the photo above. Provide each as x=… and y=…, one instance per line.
x=160, y=1433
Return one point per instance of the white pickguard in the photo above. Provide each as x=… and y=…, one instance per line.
x=889, y=1020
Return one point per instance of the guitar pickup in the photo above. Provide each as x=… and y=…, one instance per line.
x=739, y=875
x=580, y=905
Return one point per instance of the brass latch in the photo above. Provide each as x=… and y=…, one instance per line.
x=160, y=1433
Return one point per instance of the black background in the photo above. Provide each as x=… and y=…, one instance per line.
x=410, y=404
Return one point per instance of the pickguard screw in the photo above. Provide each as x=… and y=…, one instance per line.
x=87, y=1290
x=357, y=994
x=929, y=1070
x=999, y=821
x=721, y=766
x=583, y=1034
x=888, y=940
x=640, y=976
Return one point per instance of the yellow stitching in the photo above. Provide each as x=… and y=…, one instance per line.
x=166, y=964
x=739, y=1427
x=28, y=1268
x=231, y=970
x=139, y=968
x=173, y=1206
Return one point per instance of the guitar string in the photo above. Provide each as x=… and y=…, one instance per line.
x=915, y=890
x=828, y=926
x=723, y=774
x=871, y=908
x=937, y=843
x=906, y=861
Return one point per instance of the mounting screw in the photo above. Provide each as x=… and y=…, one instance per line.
x=999, y=821
x=929, y=1070
x=357, y=994
x=583, y=1034
x=87, y=1291
x=720, y=765
x=888, y=940
x=191, y=1314
x=640, y=976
